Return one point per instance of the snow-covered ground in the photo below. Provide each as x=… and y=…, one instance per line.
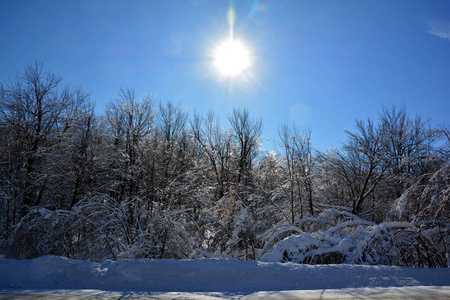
x=210, y=278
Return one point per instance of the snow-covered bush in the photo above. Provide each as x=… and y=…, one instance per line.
x=39, y=233
x=92, y=230
x=100, y=228
x=235, y=219
x=427, y=199
x=340, y=237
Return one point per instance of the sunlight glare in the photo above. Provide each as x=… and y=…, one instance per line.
x=231, y=58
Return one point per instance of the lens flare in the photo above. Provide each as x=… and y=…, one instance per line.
x=231, y=57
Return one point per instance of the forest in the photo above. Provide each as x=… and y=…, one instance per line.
x=145, y=179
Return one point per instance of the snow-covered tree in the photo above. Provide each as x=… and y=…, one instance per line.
x=149, y=182
x=38, y=116
x=246, y=132
x=237, y=223
x=216, y=144
x=408, y=146
x=299, y=164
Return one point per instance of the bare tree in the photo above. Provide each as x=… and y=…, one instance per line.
x=443, y=133
x=299, y=163
x=408, y=147
x=70, y=161
x=172, y=124
x=247, y=133
x=365, y=158
x=216, y=144
x=34, y=109
x=130, y=121
x=354, y=173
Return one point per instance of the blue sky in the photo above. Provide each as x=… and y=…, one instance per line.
x=322, y=64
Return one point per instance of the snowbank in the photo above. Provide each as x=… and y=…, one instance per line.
x=206, y=275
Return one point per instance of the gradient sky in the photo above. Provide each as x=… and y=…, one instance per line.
x=322, y=64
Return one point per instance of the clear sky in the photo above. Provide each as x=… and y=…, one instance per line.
x=322, y=64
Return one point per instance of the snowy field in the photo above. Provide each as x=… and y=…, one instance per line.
x=55, y=277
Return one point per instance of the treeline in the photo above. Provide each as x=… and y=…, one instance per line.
x=147, y=180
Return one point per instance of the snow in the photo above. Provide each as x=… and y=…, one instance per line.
x=341, y=237
x=214, y=278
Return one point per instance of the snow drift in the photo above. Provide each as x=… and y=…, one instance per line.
x=206, y=275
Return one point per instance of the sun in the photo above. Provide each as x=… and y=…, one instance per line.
x=231, y=58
